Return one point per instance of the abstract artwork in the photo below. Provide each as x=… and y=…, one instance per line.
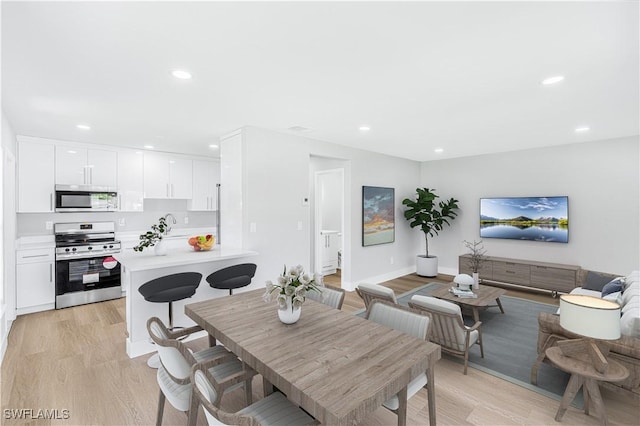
x=378, y=218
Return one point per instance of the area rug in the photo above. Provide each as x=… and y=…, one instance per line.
x=510, y=341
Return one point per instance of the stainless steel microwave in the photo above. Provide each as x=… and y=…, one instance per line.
x=85, y=198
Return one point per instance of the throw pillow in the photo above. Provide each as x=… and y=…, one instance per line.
x=614, y=297
x=595, y=281
x=612, y=287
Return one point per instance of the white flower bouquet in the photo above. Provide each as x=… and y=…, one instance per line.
x=293, y=284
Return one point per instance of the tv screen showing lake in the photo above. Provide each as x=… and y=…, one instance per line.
x=525, y=218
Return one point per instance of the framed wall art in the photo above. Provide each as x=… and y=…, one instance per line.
x=378, y=216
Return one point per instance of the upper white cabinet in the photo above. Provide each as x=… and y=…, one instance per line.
x=167, y=176
x=206, y=175
x=80, y=166
x=130, y=181
x=35, y=176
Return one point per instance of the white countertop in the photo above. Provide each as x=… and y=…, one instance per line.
x=177, y=256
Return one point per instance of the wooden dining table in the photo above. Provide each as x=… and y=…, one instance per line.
x=336, y=366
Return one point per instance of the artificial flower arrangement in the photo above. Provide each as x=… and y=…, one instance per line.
x=294, y=284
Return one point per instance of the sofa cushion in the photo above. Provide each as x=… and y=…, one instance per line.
x=613, y=286
x=630, y=321
x=595, y=281
x=631, y=292
x=614, y=297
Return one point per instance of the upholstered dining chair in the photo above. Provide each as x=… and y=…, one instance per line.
x=176, y=360
x=331, y=296
x=447, y=327
x=371, y=292
x=274, y=409
x=407, y=321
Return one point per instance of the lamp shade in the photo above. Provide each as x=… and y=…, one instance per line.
x=590, y=316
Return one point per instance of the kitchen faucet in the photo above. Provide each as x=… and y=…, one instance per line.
x=166, y=217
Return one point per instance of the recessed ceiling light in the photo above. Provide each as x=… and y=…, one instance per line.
x=149, y=147
x=553, y=80
x=83, y=127
x=364, y=128
x=181, y=74
x=213, y=146
x=72, y=152
x=582, y=129
x=438, y=150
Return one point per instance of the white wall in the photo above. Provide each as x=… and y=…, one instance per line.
x=8, y=232
x=602, y=182
x=277, y=179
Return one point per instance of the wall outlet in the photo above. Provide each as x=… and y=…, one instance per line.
x=48, y=225
x=299, y=225
x=252, y=227
x=391, y=261
x=186, y=220
x=122, y=222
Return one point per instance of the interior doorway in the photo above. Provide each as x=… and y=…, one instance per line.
x=328, y=240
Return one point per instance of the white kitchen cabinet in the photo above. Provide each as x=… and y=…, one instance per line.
x=80, y=166
x=331, y=241
x=36, y=175
x=130, y=181
x=206, y=175
x=167, y=176
x=35, y=280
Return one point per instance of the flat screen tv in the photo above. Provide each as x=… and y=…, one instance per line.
x=525, y=218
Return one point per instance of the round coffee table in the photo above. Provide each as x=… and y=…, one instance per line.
x=584, y=374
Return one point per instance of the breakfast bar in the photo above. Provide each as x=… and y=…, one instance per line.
x=140, y=267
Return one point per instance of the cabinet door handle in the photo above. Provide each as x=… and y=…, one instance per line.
x=51, y=201
x=91, y=176
x=167, y=191
x=35, y=255
x=51, y=272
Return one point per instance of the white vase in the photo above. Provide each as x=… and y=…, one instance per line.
x=289, y=315
x=476, y=280
x=160, y=249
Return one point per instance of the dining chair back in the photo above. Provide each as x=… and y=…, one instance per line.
x=408, y=321
x=274, y=409
x=370, y=292
x=176, y=361
x=329, y=295
x=447, y=327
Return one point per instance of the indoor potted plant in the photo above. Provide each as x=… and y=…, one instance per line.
x=477, y=256
x=431, y=216
x=154, y=238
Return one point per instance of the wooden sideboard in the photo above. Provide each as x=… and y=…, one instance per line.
x=553, y=277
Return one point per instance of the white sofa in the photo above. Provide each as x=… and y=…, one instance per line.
x=625, y=350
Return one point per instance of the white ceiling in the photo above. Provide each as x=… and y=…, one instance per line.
x=465, y=77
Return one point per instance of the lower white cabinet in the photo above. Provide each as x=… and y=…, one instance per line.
x=36, y=277
x=330, y=241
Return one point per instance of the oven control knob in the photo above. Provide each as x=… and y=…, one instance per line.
x=66, y=249
x=89, y=248
x=104, y=247
x=73, y=249
x=110, y=246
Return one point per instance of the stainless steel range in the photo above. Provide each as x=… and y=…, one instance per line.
x=86, y=271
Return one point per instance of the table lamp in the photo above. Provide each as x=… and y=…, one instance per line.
x=593, y=318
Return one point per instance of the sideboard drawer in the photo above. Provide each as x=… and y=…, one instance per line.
x=555, y=279
x=511, y=272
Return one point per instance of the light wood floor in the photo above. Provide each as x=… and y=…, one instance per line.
x=74, y=359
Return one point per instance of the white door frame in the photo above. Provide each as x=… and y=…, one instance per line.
x=317, y=241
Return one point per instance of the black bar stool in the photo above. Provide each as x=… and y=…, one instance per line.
x=169, y=289
x=235, y=276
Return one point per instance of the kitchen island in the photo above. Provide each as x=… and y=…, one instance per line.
x=138, y=268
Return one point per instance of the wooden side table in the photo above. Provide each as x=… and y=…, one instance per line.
x=584, y=375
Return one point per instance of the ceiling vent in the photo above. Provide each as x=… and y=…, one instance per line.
x=299, y=129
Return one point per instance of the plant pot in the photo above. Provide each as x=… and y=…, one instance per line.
x=160, y=249
x=427, y=266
